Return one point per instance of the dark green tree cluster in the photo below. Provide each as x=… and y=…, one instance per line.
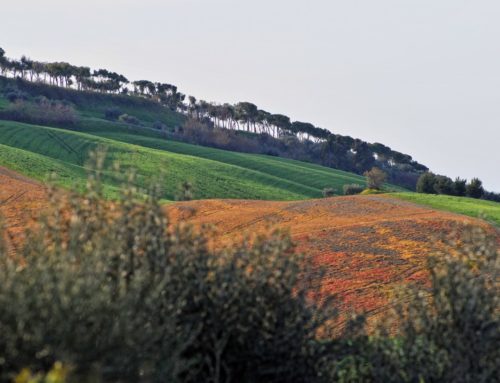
x=431, y=183
x=63, y=74
x=66, y=75
x=342, y=152
x=166, y=94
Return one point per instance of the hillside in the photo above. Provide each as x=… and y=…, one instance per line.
x=370, y=245
x=61, y=146
x=37, y=151
x=241, y=127
x=488, y=210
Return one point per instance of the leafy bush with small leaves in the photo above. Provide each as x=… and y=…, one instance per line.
x=474, y=188
x=116, y=291
x=426, y=182
x=353, y=189
x=448, y=332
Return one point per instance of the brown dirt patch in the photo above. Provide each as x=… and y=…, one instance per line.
x=21, y=199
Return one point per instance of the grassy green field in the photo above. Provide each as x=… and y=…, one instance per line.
x=314, y=176
x=37, y=151
x=467, y=206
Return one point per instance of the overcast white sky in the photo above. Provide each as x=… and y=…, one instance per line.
x=422, y=76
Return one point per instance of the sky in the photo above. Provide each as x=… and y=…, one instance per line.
x=421, y=76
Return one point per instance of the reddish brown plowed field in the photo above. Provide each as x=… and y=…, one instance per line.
x=370, y=245
x=20, y=199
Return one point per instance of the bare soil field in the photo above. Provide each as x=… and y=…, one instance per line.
x=369, y=245
x=21, y=199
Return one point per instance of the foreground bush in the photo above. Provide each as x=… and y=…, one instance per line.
x=118, y=294
x=58, y=374
x=115, y=291
x=448, y=332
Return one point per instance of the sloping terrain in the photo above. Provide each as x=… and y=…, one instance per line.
x=369, y=245
x=488, y=210
x=37, y=151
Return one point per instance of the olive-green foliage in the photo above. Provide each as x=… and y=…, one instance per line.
x=454, y=335
x=426, y=182
x=115, y=291
x=474, y=188
x=119, y=294
x=449, y=332
x=375, y=178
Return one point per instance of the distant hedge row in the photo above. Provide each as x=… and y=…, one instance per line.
x=431, y=183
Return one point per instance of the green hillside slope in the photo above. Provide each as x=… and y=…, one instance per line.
x=314, y=176
x=36, y=151
x=488, y=210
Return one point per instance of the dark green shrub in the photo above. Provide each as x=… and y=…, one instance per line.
x=474, y=188
x=352, y=189
x=426, y=182
x=115, y=291
x=459, y=187
x=112, y=113
x=328, y=192
x=490, y=196
x=444, y=185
